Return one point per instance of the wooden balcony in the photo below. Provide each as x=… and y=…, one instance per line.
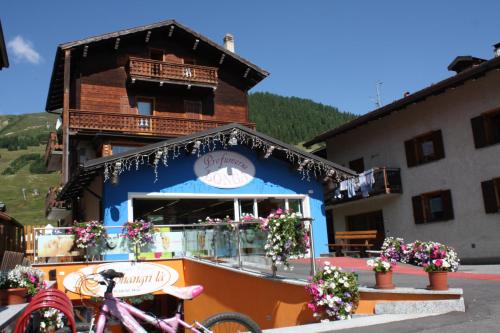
x=142, y=125
x=168, y=72
x=54, y=209
x=387, y=181
x=53, y=153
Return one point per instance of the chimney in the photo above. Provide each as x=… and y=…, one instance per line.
x=496, y=48
x=462, y=63
x=229, y=42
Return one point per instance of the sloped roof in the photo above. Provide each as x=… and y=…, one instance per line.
x=58, y=68
x=434, y=89
x=4, y=60
x=281, y=150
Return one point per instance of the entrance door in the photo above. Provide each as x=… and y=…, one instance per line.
x=368, y=221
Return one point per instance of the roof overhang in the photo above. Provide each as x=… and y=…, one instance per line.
x=419, y=96
x=306, y=163
x=4, y=60
x=54, y=98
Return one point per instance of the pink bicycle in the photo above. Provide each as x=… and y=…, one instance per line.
x=223, y=322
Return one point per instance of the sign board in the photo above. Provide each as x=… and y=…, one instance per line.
x=224, y=169
x=54, y=245
x=140, y=278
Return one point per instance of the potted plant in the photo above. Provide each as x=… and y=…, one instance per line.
x=20, y=284
x=441, y=260
x=287, y=237
x=88, y=233
x=334, y=293
x=393, y=249
x=382, y=267
x=139, y=234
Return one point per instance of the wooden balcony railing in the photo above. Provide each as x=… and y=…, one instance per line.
x=168, y=71
x=387, y=180
x=138, y=124
x=51, y=200
x=53, y=153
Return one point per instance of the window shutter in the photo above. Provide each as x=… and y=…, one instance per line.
x=489, y=196
x=418, y=209
x=447, y=205
x=411, y=154
x=437, y=138
x=478, y=131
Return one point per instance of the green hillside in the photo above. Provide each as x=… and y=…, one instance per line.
x=28, y=208
x=23, y=138
x=293, y=119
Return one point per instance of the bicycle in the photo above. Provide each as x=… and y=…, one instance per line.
x=230, y=322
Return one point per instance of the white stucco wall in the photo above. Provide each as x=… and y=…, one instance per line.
x=381, y=143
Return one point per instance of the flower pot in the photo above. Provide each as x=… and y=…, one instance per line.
x=383, y=280
x=438, y=281
x=13, y=296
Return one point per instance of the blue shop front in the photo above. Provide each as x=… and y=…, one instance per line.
x=223, y=175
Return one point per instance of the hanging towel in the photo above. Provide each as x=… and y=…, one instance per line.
x=351, y=187
x=366, y=181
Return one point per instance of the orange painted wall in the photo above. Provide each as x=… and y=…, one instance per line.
x=270, y=303
x=63, y=269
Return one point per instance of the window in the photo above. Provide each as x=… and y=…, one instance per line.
x=424, y=148
x=145, y=106
x=357, y=165
x=156, y=54
x=491, y=195
x=433, y=207
x=486, y=129
x=117, y=149
x=192, y=107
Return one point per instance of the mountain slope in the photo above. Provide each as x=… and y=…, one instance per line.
x=293, y=119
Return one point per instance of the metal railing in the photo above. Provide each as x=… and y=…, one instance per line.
x=239, y=245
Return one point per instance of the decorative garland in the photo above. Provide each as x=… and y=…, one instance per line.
x=201, y=145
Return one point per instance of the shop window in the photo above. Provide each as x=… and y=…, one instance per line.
x=433, y=207
x=424, y=148
x=295, y=205
x=486, y=129
x=145, y=106
x=247, y=207
x=357, y=165
x=269, y=205
x=491, y=195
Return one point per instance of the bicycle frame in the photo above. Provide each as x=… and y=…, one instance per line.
x=125, y=313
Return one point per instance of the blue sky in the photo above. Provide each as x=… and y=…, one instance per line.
x=332, y=52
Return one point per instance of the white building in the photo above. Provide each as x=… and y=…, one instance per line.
x=444, y=143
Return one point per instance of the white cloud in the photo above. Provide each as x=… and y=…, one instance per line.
x=23, y=50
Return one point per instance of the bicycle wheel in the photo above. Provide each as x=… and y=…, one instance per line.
x=231, y=322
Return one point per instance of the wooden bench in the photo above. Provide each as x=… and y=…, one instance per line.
x=351, y=242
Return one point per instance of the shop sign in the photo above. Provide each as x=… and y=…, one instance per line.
x=140, y=278
x=224, y=169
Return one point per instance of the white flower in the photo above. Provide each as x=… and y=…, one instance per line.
x=370, y=263
x=346, y=284
x=42, y=324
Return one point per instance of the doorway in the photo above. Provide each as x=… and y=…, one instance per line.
x=368, y=221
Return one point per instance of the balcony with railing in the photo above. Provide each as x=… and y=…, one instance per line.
x=53, y=153
x=385, y=181
x=169, y=72
x=55, y=209
x=139, y=124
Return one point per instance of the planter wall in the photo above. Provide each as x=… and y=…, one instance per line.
x=13, y=296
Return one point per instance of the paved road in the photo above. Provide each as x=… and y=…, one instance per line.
x=482, y=300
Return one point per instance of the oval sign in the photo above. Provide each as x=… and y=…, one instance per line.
x=224, y=169
x=140, y=278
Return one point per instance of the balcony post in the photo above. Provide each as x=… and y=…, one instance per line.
x=65, y=116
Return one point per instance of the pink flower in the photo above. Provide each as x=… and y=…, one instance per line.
x=279, y=211
x=438, y=263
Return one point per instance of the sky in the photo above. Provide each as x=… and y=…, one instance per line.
x=333, y=52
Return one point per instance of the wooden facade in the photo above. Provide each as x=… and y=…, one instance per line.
x=139, y=86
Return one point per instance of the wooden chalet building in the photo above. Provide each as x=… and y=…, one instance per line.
x=133, y=87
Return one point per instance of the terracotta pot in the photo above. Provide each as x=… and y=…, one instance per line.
x=383, y=280
x=438, y=281
x=13, y=296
